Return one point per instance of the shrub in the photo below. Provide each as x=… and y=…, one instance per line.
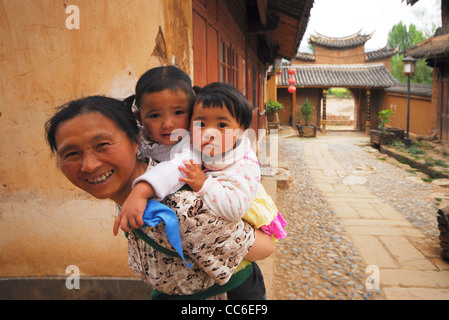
x=384, y=118
x=306, y=111
x=415, y=150
x=274, y=106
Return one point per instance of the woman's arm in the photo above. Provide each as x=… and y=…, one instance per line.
x=262, y=248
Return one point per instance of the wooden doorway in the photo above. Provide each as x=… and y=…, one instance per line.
x=340, y=109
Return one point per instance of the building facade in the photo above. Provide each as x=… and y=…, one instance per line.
x=337, y=62
x=436, y=52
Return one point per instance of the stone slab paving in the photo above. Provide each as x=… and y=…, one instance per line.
x=317, y=260
x=385, y=239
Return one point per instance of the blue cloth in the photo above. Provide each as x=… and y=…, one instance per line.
x=156, y=212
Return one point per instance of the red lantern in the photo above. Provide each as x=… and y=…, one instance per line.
x=291, y=71
x=291, y=80
x=291, y=89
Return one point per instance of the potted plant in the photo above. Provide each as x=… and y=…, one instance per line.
x=272, y=109
x=383, y=135
x=307, y=130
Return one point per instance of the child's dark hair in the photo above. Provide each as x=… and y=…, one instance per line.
x=219, y=94
x=161, y=78
x=115, y=110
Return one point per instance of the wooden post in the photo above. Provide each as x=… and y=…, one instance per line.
x=368, y=111
x=324, y=110
x=294, y=122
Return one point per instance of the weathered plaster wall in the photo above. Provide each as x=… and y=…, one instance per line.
x=177, y=25
x=346, y=56
x=420, y=113
x=293, y=102
x=46, y=223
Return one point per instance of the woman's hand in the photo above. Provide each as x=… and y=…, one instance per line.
x=195, y=175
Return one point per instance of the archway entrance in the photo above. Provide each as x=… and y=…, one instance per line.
x=340, y=110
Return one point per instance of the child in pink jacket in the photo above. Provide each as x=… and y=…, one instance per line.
x=230, y=184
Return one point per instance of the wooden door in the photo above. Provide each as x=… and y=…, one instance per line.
x=205, y=47
x=199, y=50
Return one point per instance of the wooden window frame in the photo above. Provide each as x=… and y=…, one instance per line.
x=229, y=64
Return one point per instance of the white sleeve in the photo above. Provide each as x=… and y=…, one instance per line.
x=164, y=177
x=229, y=194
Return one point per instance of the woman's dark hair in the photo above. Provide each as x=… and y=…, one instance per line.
x=161, y=78
x=115, y=110
x=219, y=94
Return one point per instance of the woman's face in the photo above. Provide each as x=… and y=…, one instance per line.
x=97, y=156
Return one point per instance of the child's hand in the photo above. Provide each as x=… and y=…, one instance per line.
x=131, y=213
x=195, y=175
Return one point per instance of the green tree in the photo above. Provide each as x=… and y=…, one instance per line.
x=399, y=35
x=306, y=110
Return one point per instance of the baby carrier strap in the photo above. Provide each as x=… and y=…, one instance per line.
x=235, y=281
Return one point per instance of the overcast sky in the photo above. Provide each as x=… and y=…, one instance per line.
x=339, y=18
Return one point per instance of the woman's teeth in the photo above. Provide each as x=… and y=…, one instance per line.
x=101, y=178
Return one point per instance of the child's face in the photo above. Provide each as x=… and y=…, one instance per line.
x=162, y=113
x=214, y=130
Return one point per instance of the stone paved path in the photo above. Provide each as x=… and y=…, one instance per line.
x=344, y=241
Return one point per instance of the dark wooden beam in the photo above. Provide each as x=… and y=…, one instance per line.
x=257, y=27
x=262, y=5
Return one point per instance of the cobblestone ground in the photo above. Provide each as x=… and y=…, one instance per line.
x=318, y=260
x=399, y=186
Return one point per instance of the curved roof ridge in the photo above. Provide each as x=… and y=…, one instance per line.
x=354, y=40
x=385, y=52
x=340, y=38
x=305, y=56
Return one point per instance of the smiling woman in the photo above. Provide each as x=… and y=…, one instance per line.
x=96, y=142
x=96, y=146
x=99, y=167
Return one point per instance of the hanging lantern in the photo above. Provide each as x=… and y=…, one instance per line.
x=291, y=80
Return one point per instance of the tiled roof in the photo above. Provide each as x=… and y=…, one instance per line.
x=357, y=75
x=412, y=2
x=419, y=89
x=431, y=48
x=293, y=19
x=304, y=56
x=351, y=41
x=385, y=52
